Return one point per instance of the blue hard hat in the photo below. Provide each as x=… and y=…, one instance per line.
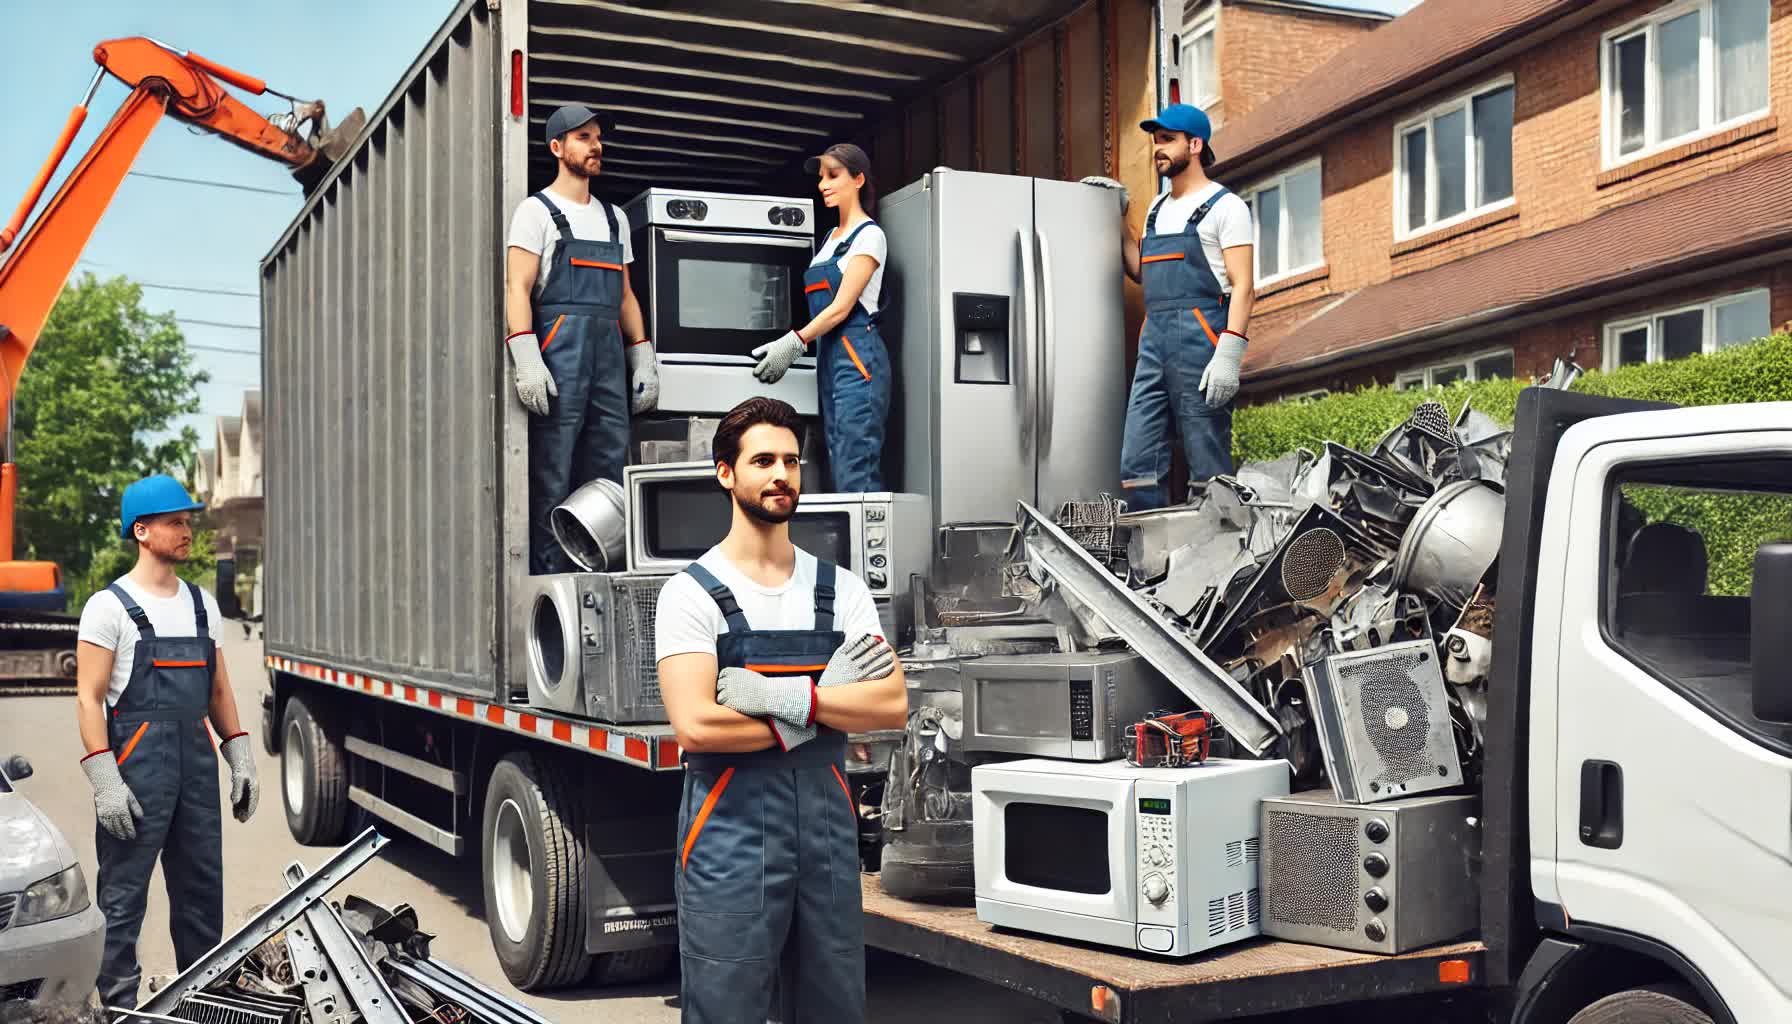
x=152, y=496
x=1181, y=117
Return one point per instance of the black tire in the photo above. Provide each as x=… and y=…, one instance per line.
x=543, y=843
x=1654, y=1004
x=313, y=737
x=632, y=966
x=270, y=725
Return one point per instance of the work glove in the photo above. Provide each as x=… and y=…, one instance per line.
x=113, y=801
x=790, y=736
x=1219, y=382
x=858, y=659
x=775, y=357
x=1111, y=185
x=643, y=378
x=533, y=381
x=757, y=696
x=245, y=789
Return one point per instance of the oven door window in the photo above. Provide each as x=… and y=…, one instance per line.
x=1050, y=846
x=684, y=518
x=724, y=295
x=826, y=534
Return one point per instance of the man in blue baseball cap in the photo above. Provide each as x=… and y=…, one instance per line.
x=148, y=677
x=574, y=329
x=1195, y=264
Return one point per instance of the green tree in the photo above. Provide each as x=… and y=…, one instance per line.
x=105, y=377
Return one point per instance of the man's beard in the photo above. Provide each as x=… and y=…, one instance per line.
x=170, y=553
x=1176, y=166
x=577, y=167
x=755, y=507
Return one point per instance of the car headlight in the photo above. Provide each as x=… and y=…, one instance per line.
x=59, y=895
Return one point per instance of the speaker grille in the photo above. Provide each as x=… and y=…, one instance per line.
x=1312, y=871
x=1310, y=562
x=1395, y=715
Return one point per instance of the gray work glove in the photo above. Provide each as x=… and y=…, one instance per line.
x=775, y=357
x=643, y=378
x=113, y=801
x=860, y=658
x=757, y=696
x=790, y=736
x=245, y=789
x=533, y=381
x=1219, y=382
x=1111, y=185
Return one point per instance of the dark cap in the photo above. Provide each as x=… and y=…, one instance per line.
x=575, y=115
x=850, y=156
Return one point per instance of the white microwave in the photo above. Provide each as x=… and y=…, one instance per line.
x=1160, y=860
x=676, y=511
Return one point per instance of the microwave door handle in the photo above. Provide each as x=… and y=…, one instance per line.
x=1048, y=345
x=1029, y=318
x=718, y=238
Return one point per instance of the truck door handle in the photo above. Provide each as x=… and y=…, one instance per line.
x=1601, y=804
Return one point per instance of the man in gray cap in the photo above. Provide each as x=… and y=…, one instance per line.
x=574, y=330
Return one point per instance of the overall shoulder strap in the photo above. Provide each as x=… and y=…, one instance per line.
x=201, y=620
x=846, y=243
x=1195, y=221
x=610, y=215
x=560, y=222
x=723, y=597
x=131, y=608
x=824, y=595
x=1151, y=214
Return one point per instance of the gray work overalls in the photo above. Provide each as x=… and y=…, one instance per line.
x=584, y=436
x=1185, y=311
x=852, y=379
x=165, y=754
x=768, y=868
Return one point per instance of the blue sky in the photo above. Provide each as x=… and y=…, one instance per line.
x=346, y=53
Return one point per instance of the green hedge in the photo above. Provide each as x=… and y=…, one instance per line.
x=1757, y=372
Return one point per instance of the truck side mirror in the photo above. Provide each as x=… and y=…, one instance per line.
x=17, y=768
x=1770, y=632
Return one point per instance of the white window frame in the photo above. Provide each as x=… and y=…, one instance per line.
x=1306, y=396
x=1464, y=101
x=1205, y=22
x=1422, y=376
x=1708, y=325
x=1250, y=198
x=1610, y=112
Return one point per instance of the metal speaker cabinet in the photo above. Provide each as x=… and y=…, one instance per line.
x=591, y=646
x=1383, y=720
x=1381, y=878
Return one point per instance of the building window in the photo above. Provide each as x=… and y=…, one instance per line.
x=1688, y=330
x=1481, y=366
x=1286, y=212
x=1688, y=69
x=1454, y=161
x=1195, y=53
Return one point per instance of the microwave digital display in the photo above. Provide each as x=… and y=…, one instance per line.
x=730, y=295
x=1051, y=846
x=1153, y=805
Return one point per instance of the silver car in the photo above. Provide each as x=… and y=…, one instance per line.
x=50, y=931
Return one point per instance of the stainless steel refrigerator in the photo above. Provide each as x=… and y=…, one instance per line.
x=1009, y=333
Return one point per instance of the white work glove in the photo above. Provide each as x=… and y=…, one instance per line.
x=1219, y=382
x=1111, y=185
x=113, y=801
x=533, y=381
x=858, y=659
x=775, y=357
x=790, y=736
x=245, y=789
x=757, y=696
x=643, y=378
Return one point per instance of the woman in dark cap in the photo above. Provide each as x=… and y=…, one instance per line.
x=843, y=286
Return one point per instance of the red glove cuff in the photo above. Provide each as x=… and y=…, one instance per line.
x=233, y=736
x=515, y=334
x=102, y=750
x=814, y=699
x=643, y=341
x=777, y=737
x=1235, y=334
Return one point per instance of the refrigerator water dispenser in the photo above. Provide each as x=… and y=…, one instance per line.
x=980, y=338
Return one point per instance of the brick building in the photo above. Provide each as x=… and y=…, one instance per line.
x=1479, y=188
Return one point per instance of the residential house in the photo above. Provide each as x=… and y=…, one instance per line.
x=228, y=478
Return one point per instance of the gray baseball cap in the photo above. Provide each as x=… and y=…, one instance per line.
x=574, y=115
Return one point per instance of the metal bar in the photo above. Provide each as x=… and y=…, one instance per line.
x=1167, y=649
x=147, y=1016
x=392, y=814
x=325, y=998
x=272, y=919
x=474, y=996
x=366, y=987
x=434, y=774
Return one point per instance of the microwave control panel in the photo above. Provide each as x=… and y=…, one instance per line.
x=1157, y=816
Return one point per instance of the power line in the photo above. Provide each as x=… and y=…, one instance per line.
x=202, y=291
x=218, y=323
x=231, y=351
x=216, y=184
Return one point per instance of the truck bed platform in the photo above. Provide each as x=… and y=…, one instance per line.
x=1251, y=977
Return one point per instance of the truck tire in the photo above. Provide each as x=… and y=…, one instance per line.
x=533, y=861
x=1654, y=1004
x=313, y=774
x=632, y=966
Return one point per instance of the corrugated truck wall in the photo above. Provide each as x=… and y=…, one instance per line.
x=381, y=320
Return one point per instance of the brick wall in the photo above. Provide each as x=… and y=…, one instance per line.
x=1263, y=50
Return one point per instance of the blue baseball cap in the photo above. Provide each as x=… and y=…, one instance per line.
x=1180, y=117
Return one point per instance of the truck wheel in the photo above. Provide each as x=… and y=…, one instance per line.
x=632, y=966
x=1655, y=1004
x=313, y=774
x=534, y=867
x=270, y=726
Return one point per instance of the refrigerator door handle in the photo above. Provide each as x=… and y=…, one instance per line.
x=1024, y=352
x=1048, y=346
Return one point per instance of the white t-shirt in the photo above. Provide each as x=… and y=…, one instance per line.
x=105, y=623
x=871, y=242
x=1226, y=225
x=532, y=229
x=687, y=620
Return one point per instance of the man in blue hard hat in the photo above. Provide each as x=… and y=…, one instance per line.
x=149, y=675
x=574, y=328
x=1195, y=264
